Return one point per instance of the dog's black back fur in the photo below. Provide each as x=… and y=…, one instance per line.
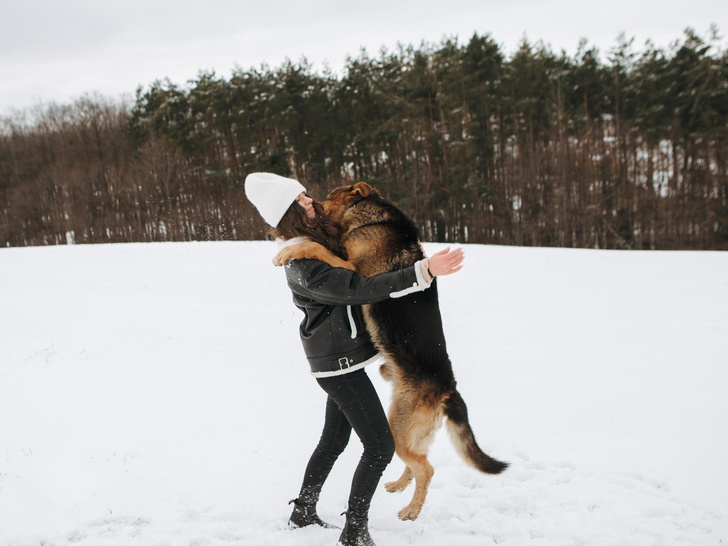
x=409, y=327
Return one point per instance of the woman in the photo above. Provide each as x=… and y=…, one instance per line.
x=338, y=346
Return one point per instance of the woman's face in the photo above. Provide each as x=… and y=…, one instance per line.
x=307, y=203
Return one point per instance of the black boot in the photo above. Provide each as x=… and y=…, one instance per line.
x=305, y=515
x=356, y=532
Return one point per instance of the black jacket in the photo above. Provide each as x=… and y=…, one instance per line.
x=332, y=331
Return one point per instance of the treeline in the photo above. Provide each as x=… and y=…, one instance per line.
x=540, y=148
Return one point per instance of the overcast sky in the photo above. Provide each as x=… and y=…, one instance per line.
x=59, y=51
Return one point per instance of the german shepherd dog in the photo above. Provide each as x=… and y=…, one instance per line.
x=407, y=331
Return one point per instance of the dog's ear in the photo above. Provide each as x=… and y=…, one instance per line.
x=362, y=188
x=311, y=250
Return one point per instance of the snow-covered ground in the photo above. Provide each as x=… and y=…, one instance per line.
x=157, y=394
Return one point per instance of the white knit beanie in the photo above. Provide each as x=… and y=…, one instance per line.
x=272, y=194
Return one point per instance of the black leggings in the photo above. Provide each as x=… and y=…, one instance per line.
x=352, y=403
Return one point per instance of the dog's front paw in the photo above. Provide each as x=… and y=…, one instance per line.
x=287, y=254
x=279, y=260
x=313, y=251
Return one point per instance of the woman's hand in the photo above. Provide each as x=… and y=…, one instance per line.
x=446, y=262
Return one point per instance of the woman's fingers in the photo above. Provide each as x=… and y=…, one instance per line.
x=446, y=262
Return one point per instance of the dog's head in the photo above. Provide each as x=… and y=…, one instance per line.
x=377, y=235
x=341, y=198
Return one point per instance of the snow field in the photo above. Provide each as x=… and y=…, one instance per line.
x=158, y=395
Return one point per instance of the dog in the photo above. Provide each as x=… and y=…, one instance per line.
x=378, y=237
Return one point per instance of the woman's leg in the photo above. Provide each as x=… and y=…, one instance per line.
x=334, y=438
x=357, y=399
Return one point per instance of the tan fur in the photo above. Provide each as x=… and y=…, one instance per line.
x=415, y=415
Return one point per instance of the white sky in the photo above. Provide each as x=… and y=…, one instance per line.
x=58, y=51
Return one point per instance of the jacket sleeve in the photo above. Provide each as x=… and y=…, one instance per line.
x=336, y=286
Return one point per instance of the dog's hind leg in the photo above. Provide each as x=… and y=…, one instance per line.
x=423, y=472
x=413, y=435
x=399, y=423
x=402, y=483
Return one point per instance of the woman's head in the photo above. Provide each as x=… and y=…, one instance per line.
x=284, y=204
x=272, y=194
x=306, y=218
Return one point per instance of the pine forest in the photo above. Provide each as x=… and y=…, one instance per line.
x=626, y=149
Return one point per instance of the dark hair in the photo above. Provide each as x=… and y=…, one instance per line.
x=296, y=223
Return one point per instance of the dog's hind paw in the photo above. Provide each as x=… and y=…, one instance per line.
x=401, y=484
x=410, y=512
x=393, y=487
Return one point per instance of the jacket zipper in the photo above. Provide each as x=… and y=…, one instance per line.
x=352, y=324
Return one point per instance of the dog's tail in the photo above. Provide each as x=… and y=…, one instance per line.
x=463, y=438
